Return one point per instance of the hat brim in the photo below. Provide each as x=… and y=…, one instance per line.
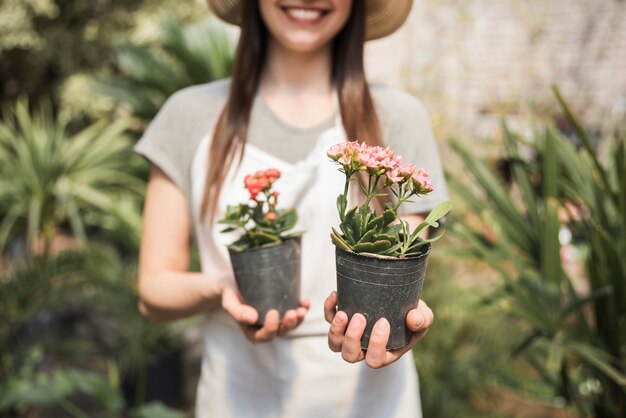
x=383, y=17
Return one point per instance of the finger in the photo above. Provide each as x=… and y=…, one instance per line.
x=302, y=310
x=351, y=349
x=420, y=334
x=290, y=321
x=394, y=355
x=305, y=303
x=376, y=355
x=421, y=318
x=242, y=313
x=269, y=328
x=300, y=314
x=337, y=331
x=330, y=307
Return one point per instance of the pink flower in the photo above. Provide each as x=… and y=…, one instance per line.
x=421, y=182
x=406, y=170
x=271, y=216
x=336, y=151
x=394, y=176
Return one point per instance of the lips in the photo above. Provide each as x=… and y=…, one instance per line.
x=304, y=16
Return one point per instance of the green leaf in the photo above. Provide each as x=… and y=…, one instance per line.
x=550, y=256
x=355, y=225
x=375, y=224
x=421, y=242
x=260, y=238
x=367, y=237
x=437, y=213
x=372, y=247
x=601, y=360
x=341, y=206
x=348, y=233
x=391, y=238
x=393, y=250
x=286, y=220
x=389, y=216
x=338, y=241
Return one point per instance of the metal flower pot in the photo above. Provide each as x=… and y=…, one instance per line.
x=269, y=277
x=380, y=287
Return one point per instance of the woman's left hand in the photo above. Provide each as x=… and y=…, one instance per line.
x=346, y=337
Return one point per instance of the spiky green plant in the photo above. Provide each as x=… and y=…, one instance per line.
x=582, y=357
x=51, y=179
x=183, y=56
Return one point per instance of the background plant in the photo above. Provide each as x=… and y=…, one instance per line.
x=182, y=56
x=51, y=180
x=77, y=311
x=574, y=338
x=377, y=172
x=261, y=221
x=465, y=357
x=45, y=43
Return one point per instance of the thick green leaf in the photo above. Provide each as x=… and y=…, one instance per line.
x=372, y=247
x=375, y=224
x=338, y=241
x=367, y=237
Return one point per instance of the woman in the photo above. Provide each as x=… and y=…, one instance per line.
x=297, y=88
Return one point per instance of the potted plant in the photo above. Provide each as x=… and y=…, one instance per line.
x=380, y=262
x=265, y=258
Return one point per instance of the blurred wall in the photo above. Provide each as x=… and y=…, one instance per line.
x=474, y=60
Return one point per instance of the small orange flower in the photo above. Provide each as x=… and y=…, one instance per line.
x=271, y=216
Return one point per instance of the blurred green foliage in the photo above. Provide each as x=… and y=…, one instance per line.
x=72, y=392
x=66, y=318
x=183, y=56
x=44, y=42
x=51, y=180
x=465, y=349
x=575, y=338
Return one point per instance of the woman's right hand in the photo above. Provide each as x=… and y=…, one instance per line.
x=246, y=316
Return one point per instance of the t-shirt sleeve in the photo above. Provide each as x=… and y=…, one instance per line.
x=408, y=132
x=173, y=136
x=162, y=143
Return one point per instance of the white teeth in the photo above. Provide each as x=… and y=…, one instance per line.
x=304, y=14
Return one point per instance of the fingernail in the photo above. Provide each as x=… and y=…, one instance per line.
x=382, y=325
x=358, y=319
x=336, y=320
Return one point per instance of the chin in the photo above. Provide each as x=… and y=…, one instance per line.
x=305, y=43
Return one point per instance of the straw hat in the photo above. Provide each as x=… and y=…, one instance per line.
x=383, y=16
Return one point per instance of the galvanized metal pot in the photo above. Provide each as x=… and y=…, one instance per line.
x=380, y=287
x=269, y=277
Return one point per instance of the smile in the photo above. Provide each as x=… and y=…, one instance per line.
x=304, y=16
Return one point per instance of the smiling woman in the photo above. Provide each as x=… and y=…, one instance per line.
x=298, y=87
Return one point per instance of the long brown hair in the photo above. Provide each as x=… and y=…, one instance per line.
x=358, y=114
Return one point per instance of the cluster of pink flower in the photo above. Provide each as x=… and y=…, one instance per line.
x=261, y=181
x=379, y=161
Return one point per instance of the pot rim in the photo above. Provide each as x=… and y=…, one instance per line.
x=386, y=257
x=266, y=246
